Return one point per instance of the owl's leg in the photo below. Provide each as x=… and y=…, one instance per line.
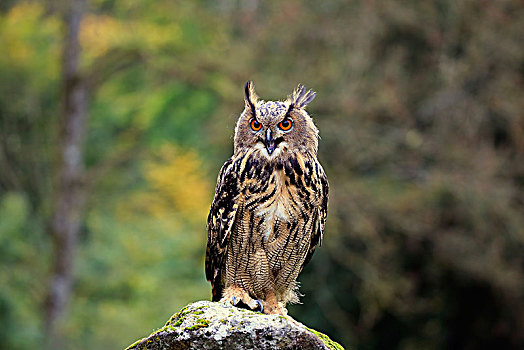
x=234, y=295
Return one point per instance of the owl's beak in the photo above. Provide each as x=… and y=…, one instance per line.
x=269, y=141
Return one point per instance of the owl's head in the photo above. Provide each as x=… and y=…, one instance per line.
x=276, y=127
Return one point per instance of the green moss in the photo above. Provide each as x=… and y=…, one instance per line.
x=135, y=344
x=175, y=321
x=178, y=322
x=177, y=316
x=201, y=322
x=193, y=327
x=326, y=340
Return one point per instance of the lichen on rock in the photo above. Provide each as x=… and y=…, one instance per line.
x=211, y=325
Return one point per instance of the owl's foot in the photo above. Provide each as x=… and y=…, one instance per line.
x=271, y=306
x=260, y=305
x=236, y=295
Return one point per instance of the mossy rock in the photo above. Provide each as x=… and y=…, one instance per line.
x=209, y=325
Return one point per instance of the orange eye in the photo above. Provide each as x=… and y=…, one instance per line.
x=255, y=125
x=285, y=124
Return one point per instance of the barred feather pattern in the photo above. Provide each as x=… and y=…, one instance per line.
x=265, y=222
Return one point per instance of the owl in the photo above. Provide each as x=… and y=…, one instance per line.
x=270, y=205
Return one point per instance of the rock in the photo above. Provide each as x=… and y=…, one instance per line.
x=210, y=325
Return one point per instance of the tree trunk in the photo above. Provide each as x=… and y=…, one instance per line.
x=69, y=191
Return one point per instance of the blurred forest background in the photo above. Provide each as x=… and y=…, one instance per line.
x=109, y=157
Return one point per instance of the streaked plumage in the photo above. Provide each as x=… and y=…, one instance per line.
x=270, y=205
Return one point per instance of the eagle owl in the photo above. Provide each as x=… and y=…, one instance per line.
x=270, y=205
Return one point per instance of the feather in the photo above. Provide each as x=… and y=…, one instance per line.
x=301, y=97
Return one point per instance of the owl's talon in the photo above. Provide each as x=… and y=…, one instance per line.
x=260, y=305
x=234, y=300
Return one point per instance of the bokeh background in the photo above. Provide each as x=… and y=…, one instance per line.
x=420, y=110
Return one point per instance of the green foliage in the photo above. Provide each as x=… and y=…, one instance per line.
x=28, y=100
x=420, y=111
x=22, y=271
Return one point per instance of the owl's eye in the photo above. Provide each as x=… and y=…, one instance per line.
x=255, y=125
x=285, y=124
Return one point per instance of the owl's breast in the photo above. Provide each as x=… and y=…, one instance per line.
x=276, y=205
x=277, y=208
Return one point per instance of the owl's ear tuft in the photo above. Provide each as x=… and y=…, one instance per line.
x=250, y=96
x=301, y=97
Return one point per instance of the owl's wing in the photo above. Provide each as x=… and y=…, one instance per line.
x=322, y=186
x=219, y=224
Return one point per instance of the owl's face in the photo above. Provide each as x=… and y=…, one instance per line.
x=275, y=128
